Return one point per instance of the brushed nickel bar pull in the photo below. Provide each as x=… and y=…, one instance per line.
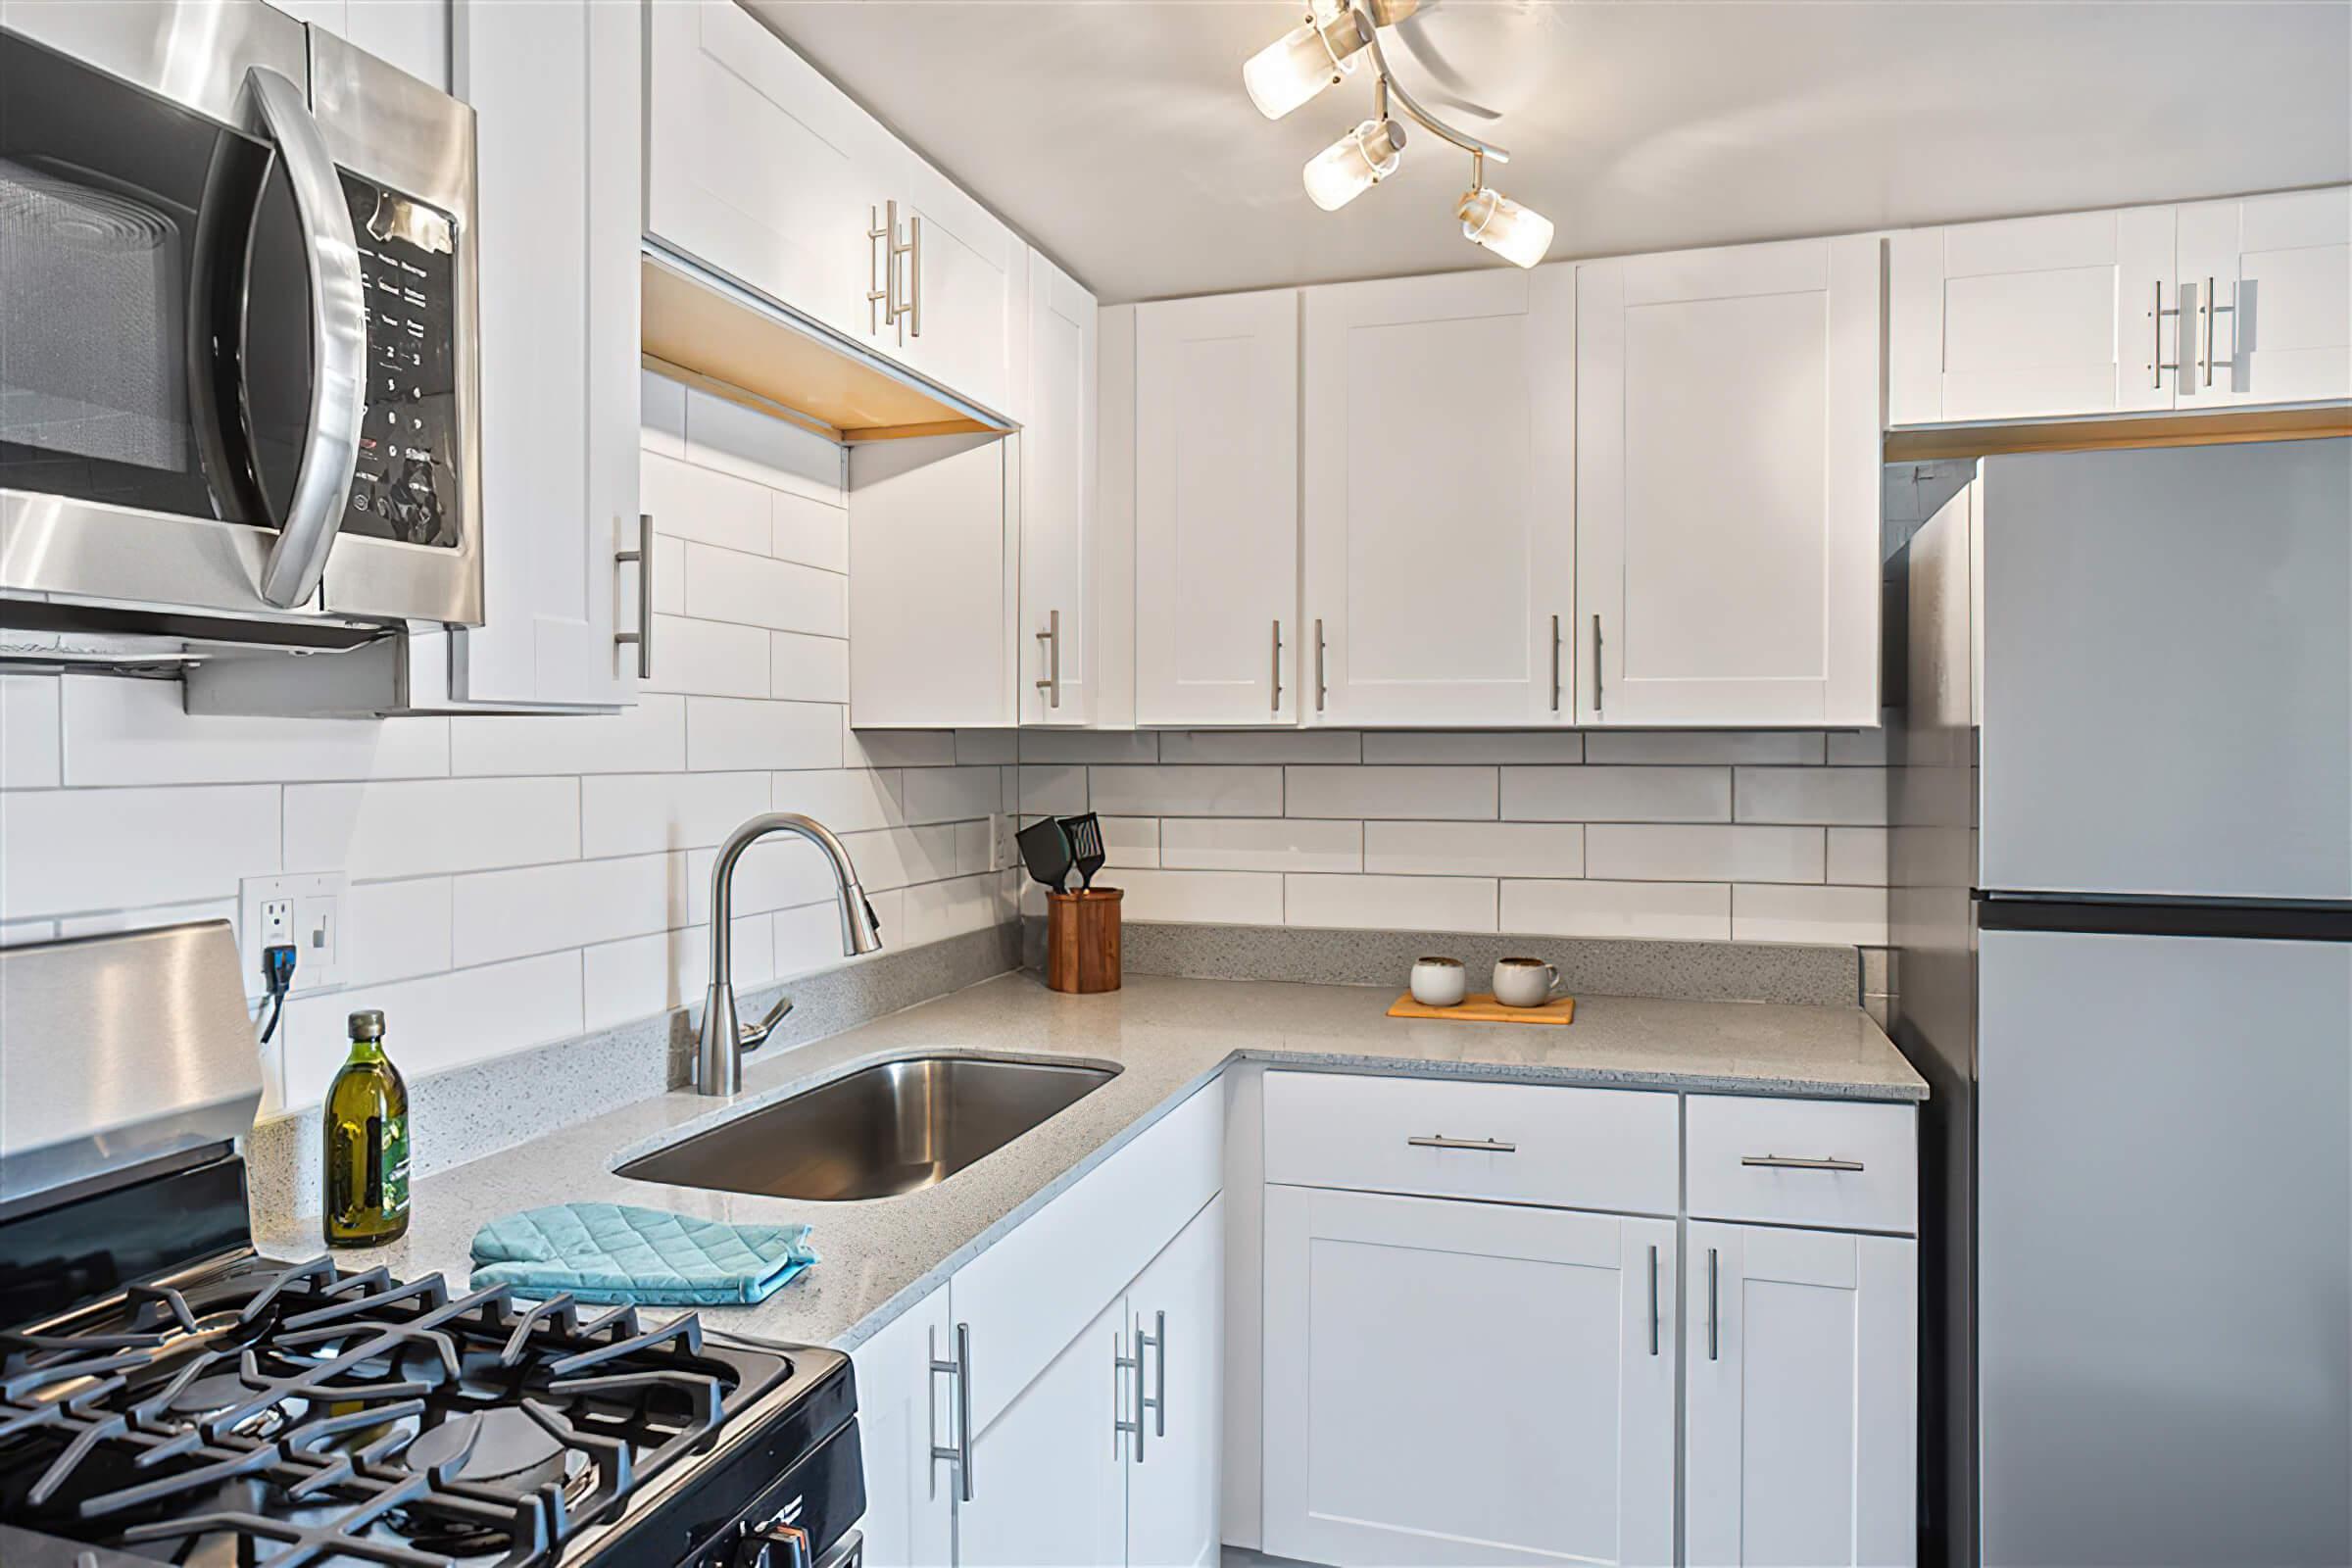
x=1321, y=687
x=2213, y=308
x=959, y=1452
x=1482, y=1146
x=1133, y=1365
x=1714, y=1341
x=1157, y=1405
x=2157, y=363
x=914, y=274
x=1556, y=664
x=1653, y=1300
x=887, y=296
x=1595, y=666
x=1275, y=707
x=1792, y=1162
x=643, y=636
x=1051, y=681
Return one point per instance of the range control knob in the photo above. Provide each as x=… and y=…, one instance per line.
x=773, y=1546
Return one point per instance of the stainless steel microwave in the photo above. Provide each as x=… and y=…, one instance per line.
x=238, y=383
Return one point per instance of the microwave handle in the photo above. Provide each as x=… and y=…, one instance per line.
x=330, y=254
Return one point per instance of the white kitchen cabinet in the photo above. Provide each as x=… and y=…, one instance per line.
x=1452, y=1382
x=1439, y=499
x=2266, y=294
x=962, y=283
x=756, y=166
x=905, y=1409
x=413, y=34
x=1799, y=1441
x=555, y=90
x=1057, y=499
x=1216, y=511
x=934, y=582
x=1726, y=496
x=2031, y=318
x=1049, y=1471
x=1177, y=1305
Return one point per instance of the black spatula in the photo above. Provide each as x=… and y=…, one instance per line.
x=1044, y=847
x=1086, y=845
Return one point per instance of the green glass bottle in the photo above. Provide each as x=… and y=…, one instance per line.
x=367, y=1143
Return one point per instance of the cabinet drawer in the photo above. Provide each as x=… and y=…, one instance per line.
x=1030, y=1293
x=1834, y=1163
x=1604, y=1149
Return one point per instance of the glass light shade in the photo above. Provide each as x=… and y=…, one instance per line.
x=1301, y=62
x=1504, y=227
x=1355, y=163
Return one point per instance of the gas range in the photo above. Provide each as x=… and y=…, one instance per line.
x=169, y=1395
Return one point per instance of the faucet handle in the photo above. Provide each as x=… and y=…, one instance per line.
x=752, y=1036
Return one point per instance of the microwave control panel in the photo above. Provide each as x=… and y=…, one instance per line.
x=407, y=483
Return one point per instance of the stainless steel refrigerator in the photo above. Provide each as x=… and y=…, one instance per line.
x=2123, y=908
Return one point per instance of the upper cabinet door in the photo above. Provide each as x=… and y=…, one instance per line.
x=1057, y=499
x=1216, y=511
x=1439, y=491
x=962, y=283
x=933, y=582
x=1800, y=1427
x=2033, y=318
x=1727, y=486
x=2266, y=283
x=554, y=89
x=756, y=166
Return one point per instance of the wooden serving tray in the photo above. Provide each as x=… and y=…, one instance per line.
x=1480, y=1007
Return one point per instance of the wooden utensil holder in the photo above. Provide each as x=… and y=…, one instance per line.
x=1082, y=940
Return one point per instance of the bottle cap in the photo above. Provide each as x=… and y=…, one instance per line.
x=368, y=1025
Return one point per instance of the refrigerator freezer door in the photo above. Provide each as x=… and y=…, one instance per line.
x=2167, y=672
x=2164, y=1251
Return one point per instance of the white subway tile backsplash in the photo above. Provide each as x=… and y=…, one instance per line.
x=976, y=847
x=1687, y=851
x=780, y=872
x=1703, y=746
x=695, y=504
x=1842, y=797
x=1473, y=746
x=137, y=732
x=812, y=669
x=708, y=657
x=420, y=827
x=662, y=415
x=1858, y=856
x=1260, y=746
x=647, y=738
x=951, y=794
x=1809, y=914
x=938, y=910
x=755, y=591
x=1001, y=747
x=1406, y=793
x=1681, y=910
x=848, y=800
x=811, y=532
x=1089, y=745
x=541, y=909
x=436, y=1022
x=1390, y=903
x=1475, y=849
x=897, y=857
x=1863, y=748
x=29, y=731
x=1052, y=791
x=1216, y=897
x=728, y=735
x=773, y=453
x=636, y=978
x=1260, y=844
x=1180, y=790
x=397, y=930
x=1597, y=794
x=900, y=748
x=1129, y=841
x=632, y=813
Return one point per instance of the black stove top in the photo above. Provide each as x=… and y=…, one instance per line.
x=250, y=1413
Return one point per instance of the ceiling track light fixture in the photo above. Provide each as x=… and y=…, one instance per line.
x=1322, y=52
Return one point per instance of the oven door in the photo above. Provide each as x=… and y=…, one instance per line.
x=187, y=344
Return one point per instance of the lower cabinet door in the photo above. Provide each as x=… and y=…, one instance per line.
x=1173, y=1489
x=905, y=1410
x=1459, y=1382
x=1802, y=1370
x=1049, y=1472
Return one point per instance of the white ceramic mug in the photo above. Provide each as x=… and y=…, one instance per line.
x=1524, y=982
x=1440, y=982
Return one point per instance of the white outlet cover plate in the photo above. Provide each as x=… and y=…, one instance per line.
x=322, y=928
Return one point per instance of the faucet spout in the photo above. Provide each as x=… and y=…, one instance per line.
x=724, y=1038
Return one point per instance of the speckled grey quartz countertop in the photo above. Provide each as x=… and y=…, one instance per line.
x=1169, y=1037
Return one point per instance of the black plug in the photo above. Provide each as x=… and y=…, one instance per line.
x=278, y=970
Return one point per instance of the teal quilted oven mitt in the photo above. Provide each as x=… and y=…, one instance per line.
x=610, y=1253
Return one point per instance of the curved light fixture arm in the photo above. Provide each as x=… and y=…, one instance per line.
x=1385, y=86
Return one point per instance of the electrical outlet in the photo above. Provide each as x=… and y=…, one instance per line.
x=306, y=912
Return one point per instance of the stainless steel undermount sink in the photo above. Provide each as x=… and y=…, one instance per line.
x=891, y=1128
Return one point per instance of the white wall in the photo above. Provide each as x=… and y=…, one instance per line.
x=521, y=880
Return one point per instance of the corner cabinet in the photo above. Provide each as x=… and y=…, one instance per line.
x=1727, y=486
x=1438, y=496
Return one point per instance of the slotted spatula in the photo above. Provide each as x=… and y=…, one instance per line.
x=1086, y=845
x=1045, y=849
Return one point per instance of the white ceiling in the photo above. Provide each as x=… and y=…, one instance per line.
x=1115, y=134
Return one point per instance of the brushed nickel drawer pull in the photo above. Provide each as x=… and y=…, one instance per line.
x=1481, y=1146
x=1793, y=1162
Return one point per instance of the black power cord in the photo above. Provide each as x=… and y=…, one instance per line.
x=278, y=968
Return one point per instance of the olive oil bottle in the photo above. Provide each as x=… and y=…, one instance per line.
x=367, y=1143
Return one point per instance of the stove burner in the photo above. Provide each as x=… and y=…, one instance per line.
x=214, y=1395
x=499, y=1443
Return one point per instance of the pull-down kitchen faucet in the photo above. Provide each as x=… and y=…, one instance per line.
x=719, y=1057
